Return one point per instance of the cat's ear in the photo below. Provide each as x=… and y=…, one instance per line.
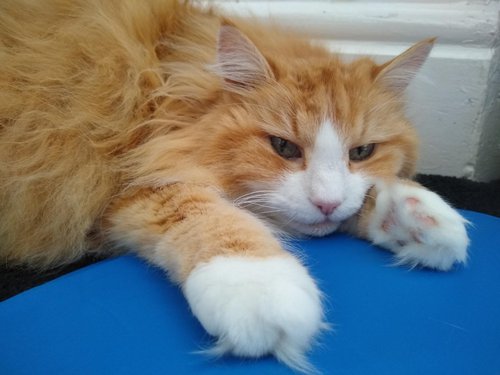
x=239, y=63
x=398, y=73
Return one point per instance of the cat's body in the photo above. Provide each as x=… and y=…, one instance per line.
x=158, y=127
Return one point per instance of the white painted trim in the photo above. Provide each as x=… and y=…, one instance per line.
x=389, y=21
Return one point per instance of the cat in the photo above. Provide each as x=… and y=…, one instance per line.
x=197, y=140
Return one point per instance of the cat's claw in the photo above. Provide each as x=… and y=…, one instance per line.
x=418, y=226
x=257, y=306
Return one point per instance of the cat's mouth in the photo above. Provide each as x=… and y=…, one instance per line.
x=318, y=229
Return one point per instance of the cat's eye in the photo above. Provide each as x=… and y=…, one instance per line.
x=285, y=148
x=361, y=153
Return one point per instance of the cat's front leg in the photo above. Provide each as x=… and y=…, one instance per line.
x=415, y=223
x=245, y=290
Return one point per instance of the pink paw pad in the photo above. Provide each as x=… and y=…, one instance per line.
x=426, y=220
x=412, y=201
x=389, y=221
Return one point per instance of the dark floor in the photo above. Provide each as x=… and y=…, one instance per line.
x=461, y=193
x=465, y=194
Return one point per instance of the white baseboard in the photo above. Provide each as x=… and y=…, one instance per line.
x=452, y=102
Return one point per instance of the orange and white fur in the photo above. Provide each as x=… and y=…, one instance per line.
x=195, y=140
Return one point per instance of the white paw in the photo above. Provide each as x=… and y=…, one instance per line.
x=257, y=306
x=418, y=226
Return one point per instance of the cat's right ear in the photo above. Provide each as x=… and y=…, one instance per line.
x=238, y=62
x=398, y=73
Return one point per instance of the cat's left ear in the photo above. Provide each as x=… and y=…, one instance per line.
x=398, y=73
x=239, y=63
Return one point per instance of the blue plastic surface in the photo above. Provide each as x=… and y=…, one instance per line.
x=122, y=316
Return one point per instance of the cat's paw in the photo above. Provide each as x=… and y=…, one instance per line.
x=257, y=306
x=418, y=226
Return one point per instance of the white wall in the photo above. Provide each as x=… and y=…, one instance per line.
x=454, y=102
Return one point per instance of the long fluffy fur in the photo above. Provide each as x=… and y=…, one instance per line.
x=79, y=86
x=97, y=96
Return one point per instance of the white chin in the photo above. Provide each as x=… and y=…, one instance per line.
x=317, y=230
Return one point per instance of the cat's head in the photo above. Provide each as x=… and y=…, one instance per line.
x=298, y=135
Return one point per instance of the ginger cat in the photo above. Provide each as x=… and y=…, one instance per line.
x=194, y=140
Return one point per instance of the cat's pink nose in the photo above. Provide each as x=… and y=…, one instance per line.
x=326, y=207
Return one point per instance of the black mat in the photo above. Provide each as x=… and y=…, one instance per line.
x=461, y=193
x=465, y=194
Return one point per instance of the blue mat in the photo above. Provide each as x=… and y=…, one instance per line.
x=122, y=316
